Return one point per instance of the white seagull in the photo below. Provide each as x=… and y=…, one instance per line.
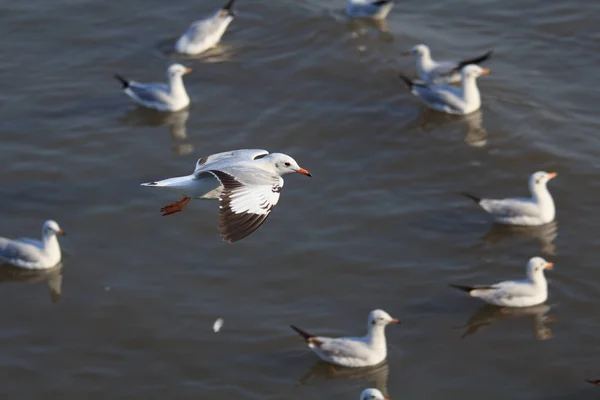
x=368, y=8
x=534, y=211
x=247, y=183
x=372, y=394
x=450, y=99
x=524, y=293
x=206, y=33
x=159, y=96
x=33, y=254
x=353, y=352
x=440, y=72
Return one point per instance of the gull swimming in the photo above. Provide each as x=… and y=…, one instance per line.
x=247, y=183
x=440, y=72
x=369, y=8
x=33, y=254
x=206, y=33
x=372, y=394
x=159, y=96
x=450, y=99
x=354, y=352
x=534, y=211
x=523, y=293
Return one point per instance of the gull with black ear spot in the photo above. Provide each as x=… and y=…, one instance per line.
x=159, y=96
x=372, y=394
x=535, y=211
x=33, y=254
x=206, y=33
x=522, y=293
x=461, y=100
x=440, y=72
x=354, y=352
x=247, y=182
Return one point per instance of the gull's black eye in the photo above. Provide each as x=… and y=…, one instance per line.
x=537, y=181
x=287, y=164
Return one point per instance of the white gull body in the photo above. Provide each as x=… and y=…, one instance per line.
x=534, y=211
x=247, y=183
x=524, y=293
x=159, y=96
x=369, y=8
x=354, y=352
x=206, y=33
x=440, y=72
x=372, y=394
x=449, y=99
x=33, y=254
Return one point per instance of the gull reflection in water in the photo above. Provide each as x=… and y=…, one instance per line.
x=488, y=314
x=375, y=377
x=475, y=133
x=175, y=121
x=544, y=234
x=360, y=27
x=52, y=276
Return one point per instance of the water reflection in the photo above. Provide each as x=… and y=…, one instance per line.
x=375, y=377
x=175, y=121
x=488, y=314
x=475, y=135
x=52, y=277
x=544, y=234
x=360, y=27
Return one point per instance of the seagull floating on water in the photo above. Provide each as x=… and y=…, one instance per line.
x=524, y=293
x=372, y=394
x=159, y=96
x=247, y=183
x=450, y=99
x=534, y=211
x=353, y=351
x=206, y=33
x=369, y=8
x=440, y=72
x=33, y=254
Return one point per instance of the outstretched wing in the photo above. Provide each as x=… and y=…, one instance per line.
x=245, y=204
x=204, y=163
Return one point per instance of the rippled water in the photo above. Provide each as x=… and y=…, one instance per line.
x=380, y=224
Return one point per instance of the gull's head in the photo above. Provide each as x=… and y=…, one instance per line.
x=418, y=50
x=381, y=318
x=537, y=265
x=177, y=70
x=539, y=180
x=51, y=228
x=227, y=11
x=285, y=164
x=474, y=71
x=372, y=394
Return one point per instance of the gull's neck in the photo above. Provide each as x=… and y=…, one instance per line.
x=376, y=337
x=425, y=63
x=470, y=91
x=50, y=243
x=539, y=279
x=176, y=86
x=541, y=194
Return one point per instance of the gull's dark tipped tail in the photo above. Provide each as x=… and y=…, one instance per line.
x=467, y=289
x=229, y=7
x=307, y=336
x=123, y=81
x=593, y=381
x=409, y=83
x=381, y=3
x=476, y=60
x=472, y=197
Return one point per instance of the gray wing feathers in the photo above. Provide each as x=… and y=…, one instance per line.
x=444, y=98
x=19, y=253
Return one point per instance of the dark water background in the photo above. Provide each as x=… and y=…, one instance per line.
x=380, y=224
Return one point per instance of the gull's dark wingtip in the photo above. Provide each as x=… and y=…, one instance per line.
x=472, y=197
x=467, y=289
x=302, y=333
x=123, y=81
x=229, y=7
x=409, y=83
x=475, y=60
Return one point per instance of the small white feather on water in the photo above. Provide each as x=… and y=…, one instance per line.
x=218, y=324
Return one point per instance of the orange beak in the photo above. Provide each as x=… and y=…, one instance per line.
x=303, y=171
x=394, y=321
x=187, y=71
x=552, y=175
x=486, y=71
x=62, y=233
x=407, y=53
x=549, y=265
